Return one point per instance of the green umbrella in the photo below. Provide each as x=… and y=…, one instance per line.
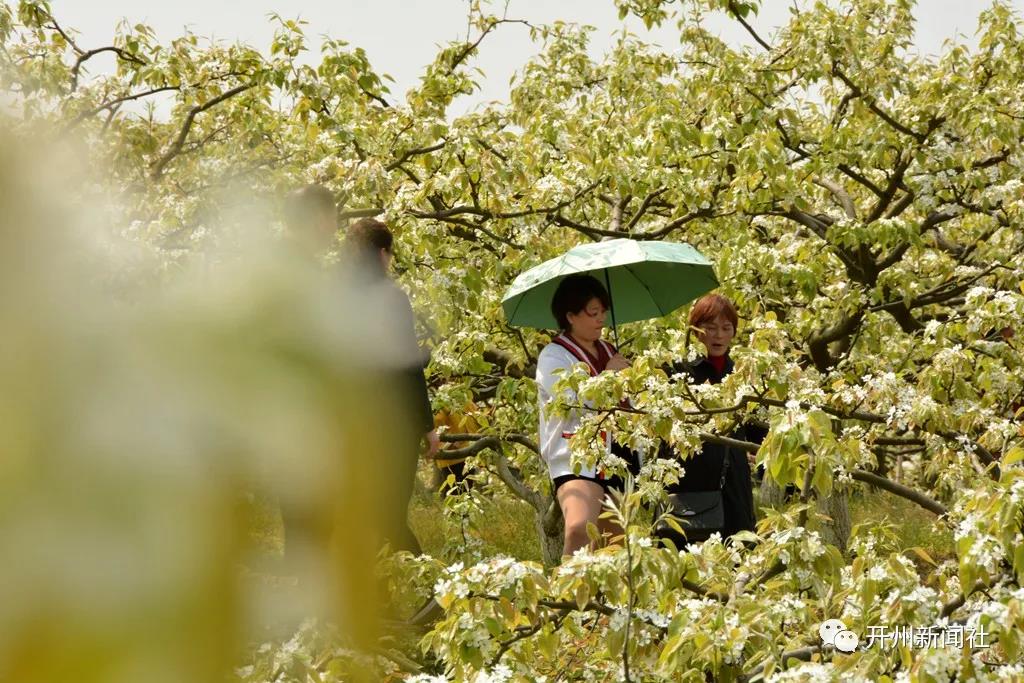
x=644, y=279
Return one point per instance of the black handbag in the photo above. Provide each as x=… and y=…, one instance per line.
x=699, y=513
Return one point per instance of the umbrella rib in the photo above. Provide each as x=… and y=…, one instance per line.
x=649, y=292
x=516, y=309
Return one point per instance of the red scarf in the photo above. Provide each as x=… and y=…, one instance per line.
x=718, y=363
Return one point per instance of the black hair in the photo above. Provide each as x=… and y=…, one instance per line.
x=369, y=234
x=573, y=295
x=306, y=205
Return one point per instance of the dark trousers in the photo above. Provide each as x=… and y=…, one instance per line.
x=738, y=495
x=455, y=469
x=398, y=532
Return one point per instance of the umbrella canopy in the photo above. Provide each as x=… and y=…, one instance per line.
x=645, y=280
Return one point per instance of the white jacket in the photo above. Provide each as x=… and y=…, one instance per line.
x=555, y=432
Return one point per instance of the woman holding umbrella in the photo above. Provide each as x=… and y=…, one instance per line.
x=579, y=305
x=574, y=292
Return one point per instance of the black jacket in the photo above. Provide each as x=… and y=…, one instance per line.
x=411, y=377
x=391, y=303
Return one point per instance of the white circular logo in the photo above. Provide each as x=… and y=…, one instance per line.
x=829, y=629
x=846, y=641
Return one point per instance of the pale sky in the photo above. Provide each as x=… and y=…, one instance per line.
x=401, y=36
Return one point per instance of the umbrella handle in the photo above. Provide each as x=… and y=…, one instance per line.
x=611, y=306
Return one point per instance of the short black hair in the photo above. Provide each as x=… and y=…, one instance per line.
x=370, y=234
x=573, y=295
x=306, y=205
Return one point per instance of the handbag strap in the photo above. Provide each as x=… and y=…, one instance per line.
x=725, y=468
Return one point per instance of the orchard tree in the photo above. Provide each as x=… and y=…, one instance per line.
x=862, y=205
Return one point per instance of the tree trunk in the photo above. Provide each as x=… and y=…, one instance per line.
x=772, y=495
x=835, y=530
x=551, y=530
x=547, y=515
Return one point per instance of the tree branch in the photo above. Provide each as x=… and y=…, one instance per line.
x=734, y=10
x=802, y=654
x=119, y=100
x=411, y=153
x=361, y=213
x=873, y=106
x=895, y=182
x=818, y=344
x=841, y=195
x=860, y=178
x=644, y=205
x=160, y=164
x=84, y=56
x=900, y=490
x=67, y=37
x=674, y=225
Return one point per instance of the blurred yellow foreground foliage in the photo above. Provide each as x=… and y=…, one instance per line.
x=138, y=412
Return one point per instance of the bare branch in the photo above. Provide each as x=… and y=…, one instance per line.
x=411, y=153
x=873, y=106
x=900, y=490
x=84, y=56
x=179, y=142
x=644, y=206
x=734, y=10
x=841, y=195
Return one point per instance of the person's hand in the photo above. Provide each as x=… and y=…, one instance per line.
x=617, y=362
x=433, y=443
x=752, y=459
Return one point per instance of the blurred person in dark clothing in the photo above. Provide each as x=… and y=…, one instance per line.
x=385, y=326
x=310, y=218
x=368, y=246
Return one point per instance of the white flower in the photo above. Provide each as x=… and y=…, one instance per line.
x=809, y=671
x=499, y=674
x=878, y=573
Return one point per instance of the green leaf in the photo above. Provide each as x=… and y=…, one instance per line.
x=582, y=594
x=923, y=554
